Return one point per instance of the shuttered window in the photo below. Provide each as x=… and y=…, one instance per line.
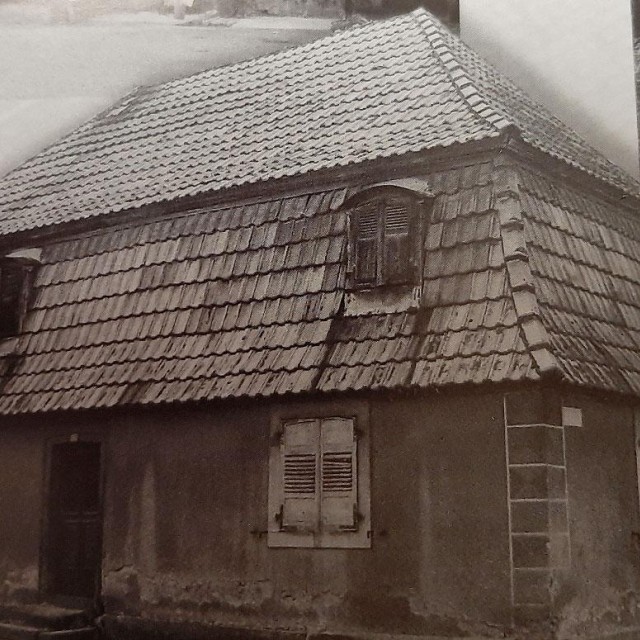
x=315, y=478
x=397, y=247
x=12, y=282
x=385, y=242
x=366, y=243
x=319, y=475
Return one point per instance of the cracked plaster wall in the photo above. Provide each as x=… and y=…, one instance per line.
x=186, y=489
x=21, y=457
x=601, y=592
x=188, y=500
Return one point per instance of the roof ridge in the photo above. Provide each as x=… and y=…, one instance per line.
x=490, y=110
x=516, y=257
x=460, y=79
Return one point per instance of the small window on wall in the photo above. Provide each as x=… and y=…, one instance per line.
x=17, y=271
x=385, y=242
x=13, y=285
x=319, y=483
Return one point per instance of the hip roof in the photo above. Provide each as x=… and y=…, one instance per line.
x=525, y=275
x=375, y=91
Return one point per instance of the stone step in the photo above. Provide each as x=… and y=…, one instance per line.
x=10, y=631
x=45, y=616
x=82, y=633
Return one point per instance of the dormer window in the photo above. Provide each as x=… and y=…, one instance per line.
x=11, y=286
x=16, y=274
x=382, y=251
x=385, y=238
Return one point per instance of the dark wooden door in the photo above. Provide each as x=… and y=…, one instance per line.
x=74, y=549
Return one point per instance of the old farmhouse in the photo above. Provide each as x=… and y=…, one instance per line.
x=338, y=342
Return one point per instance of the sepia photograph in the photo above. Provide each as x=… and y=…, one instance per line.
x=319, y=320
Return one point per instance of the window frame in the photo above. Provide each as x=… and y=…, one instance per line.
x=379, y=197
x=360, y=536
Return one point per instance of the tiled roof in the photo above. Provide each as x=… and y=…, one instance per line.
x=246, y=301
x=524, y=275
x=376, y=91
x=585, y=256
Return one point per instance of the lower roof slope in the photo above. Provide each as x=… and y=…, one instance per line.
x=524, y=276
x=375, y=91
x=585, y=256
x=247, y=301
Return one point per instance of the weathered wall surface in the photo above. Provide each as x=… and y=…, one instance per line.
x=187, y=500
x=448, y=540
x=186, y=508
x=22, y=453
x=603, y=587
x=573, y=513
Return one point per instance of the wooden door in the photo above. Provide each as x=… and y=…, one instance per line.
x=74, y=546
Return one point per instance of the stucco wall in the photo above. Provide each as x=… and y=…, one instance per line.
x=187, y=499
x=602, y=589
x=186, y=502
x=186, y=505
x=449, y=542
x=22, y=453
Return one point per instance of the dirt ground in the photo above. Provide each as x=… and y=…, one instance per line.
x=55, y=76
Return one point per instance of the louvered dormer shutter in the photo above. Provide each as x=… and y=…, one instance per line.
x=366, y=243
x=397, y=245
x=300, y=446
x=385, y=247
x=339, y=477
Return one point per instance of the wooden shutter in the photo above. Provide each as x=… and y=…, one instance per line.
x=339, y=488
x=398, y=258
x=365, y=243
x=300, y=449
x=11, y=282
